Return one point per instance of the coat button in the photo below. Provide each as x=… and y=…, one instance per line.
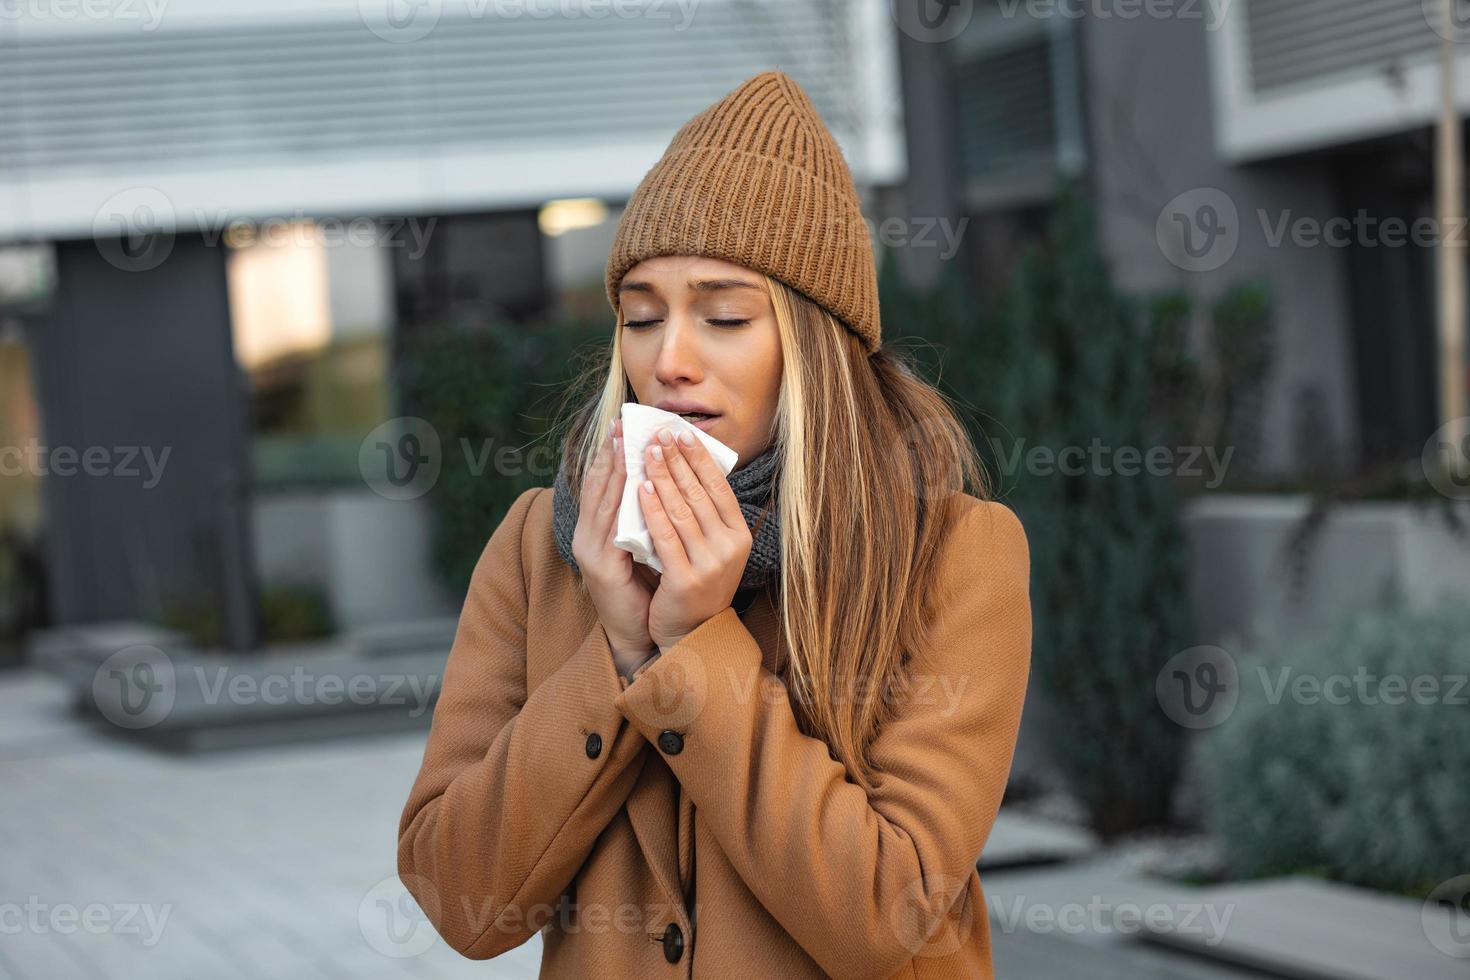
x=673, y=942
x=594, y=745
x=671, y=741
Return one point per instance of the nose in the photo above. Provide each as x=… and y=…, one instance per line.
x=680, y=361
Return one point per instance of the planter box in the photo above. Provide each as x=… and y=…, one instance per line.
x=370, y=555
x=149, y=684
x=74, y=653
x=1240, y=564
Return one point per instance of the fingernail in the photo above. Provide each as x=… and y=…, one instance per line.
x=648, y=486
x=665, y=437
x=658, y=452
x=686, y=438
x=617, y=444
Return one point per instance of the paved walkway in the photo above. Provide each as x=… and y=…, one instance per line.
x=275, y=862
x=119, y=861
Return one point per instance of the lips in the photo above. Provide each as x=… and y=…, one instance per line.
x=681, y=405
x=702, y=423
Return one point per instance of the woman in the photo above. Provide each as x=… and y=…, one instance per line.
x=782, y=756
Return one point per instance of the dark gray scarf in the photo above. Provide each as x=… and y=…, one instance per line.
x=753, y=484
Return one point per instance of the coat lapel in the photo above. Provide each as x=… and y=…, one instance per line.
x=653, y=812
x=660, y=815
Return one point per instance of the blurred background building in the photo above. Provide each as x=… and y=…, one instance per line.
x=243, y=209
x=247, y=208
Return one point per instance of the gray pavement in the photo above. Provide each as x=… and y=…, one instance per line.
x=121, y=861
x=124, y=861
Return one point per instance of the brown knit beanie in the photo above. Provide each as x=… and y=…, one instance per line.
x=758, y=180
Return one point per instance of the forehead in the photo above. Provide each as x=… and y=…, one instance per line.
x=670, y=270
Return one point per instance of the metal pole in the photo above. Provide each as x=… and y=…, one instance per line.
x=1450, y=204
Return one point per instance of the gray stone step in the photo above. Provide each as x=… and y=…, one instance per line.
x=1307, y=927
x=407, y=636
x=1018, y=839
x=1037, y=956
x=146, y=683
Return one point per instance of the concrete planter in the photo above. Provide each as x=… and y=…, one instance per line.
x=148, y=683
x=1241, y=582
x=1241, y=590
x=370, y=555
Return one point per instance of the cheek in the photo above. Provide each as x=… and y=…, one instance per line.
x=636, y=364
x=766, y=377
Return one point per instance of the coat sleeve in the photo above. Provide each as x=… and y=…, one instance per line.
x=841, y=868
x=509, y=799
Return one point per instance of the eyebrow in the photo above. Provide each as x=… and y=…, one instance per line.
x=698, y=285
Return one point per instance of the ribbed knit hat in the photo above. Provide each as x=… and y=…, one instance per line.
x=757, y=179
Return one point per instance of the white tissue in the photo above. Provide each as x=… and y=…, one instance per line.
x=641, y=424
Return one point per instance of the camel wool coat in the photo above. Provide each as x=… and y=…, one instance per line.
x=680, y=825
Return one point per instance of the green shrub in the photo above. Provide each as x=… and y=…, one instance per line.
x=294, y=612
x=1109, y=599
x=287, y=611
x=1062, y=358
x=1367, y=792
x=492, y=395
x=195, y=616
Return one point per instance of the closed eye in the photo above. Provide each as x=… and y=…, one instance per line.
x=636, y=324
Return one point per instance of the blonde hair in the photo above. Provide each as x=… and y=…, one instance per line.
x=872, y=458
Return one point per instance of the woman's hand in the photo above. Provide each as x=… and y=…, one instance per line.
x=699, y=534
x=620, y=592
